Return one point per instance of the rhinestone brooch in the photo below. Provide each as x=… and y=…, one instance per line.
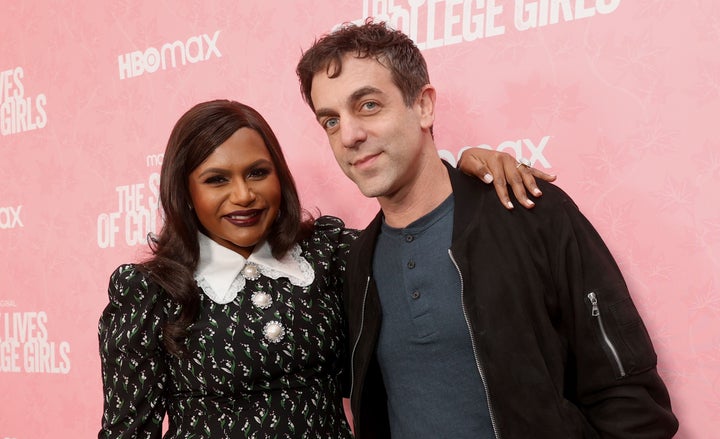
x=274, y=331
x=261, y=299
x=250, y=271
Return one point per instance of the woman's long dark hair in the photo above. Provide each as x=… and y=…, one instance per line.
x=176, y=250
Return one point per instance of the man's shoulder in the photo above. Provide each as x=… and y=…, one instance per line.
x=554, y=200
x=472, y=191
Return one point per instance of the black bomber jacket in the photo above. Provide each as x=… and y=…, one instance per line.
x=560, y=346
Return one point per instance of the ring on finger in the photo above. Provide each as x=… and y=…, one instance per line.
x=523, y=162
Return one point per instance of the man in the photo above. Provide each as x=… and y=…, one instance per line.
x=466, y=320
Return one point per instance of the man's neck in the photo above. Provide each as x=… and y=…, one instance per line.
x=430, y=188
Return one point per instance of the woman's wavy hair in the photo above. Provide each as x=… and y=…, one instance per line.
x=176, y=250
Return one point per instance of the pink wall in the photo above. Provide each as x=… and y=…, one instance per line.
x=620, y=98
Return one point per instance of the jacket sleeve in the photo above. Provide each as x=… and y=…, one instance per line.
x=616, y=382
x=133, y=368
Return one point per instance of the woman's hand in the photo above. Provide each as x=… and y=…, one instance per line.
x=501, y=169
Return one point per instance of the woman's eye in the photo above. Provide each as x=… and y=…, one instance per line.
x=215, y=179
x=259, y=173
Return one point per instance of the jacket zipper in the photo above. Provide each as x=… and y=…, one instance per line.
x=357, y=340
x=608, y=343
x=480, y=369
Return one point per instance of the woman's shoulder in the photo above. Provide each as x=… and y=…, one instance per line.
x=132, y=284
x=327, y=222
x=126, y=276
x=329, y=242
x=333, y=228
x=132, y=319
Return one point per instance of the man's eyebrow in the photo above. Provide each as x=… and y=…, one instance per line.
x=362, y=92
x=324, y=112
x=354, y=97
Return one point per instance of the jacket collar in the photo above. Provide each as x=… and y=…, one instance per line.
x=470, y=198
x=464, y=188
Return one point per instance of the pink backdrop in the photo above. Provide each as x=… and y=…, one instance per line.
x=620, y=98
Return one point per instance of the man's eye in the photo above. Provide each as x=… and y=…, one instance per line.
x=330, y=123
x=370, y=105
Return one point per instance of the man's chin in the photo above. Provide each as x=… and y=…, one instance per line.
x=369, y=185
x=371, y=191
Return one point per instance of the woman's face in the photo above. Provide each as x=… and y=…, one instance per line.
x=236, y=192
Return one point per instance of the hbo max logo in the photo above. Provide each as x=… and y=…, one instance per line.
x=10, y=217
x=195, y=49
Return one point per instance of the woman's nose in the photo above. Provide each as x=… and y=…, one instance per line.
x=242, y=194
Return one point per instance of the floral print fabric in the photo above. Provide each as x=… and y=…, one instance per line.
x=234, y=383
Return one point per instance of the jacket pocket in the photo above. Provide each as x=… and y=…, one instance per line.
x=622, y=334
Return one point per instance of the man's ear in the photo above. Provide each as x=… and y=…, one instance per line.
x=426, y=106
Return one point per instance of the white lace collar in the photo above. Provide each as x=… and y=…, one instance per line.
x=219, y=271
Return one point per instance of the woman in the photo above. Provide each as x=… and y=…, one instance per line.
x=233, y=328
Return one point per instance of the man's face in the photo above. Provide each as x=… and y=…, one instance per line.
x=377, y=140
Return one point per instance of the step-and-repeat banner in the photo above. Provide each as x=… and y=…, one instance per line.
x=620, y=98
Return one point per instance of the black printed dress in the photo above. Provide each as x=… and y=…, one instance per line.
x=235, y=383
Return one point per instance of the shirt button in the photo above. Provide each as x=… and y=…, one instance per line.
x=411, y=264
x=415, y=294
x=409, y=238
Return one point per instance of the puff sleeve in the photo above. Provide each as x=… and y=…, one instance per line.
x=134, y=370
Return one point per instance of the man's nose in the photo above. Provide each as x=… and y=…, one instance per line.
x=352, y=132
